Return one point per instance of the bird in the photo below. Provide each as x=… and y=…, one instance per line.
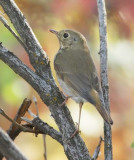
x=76, y=71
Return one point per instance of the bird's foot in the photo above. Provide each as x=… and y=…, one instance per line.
x=65, y=100
x=77, y=131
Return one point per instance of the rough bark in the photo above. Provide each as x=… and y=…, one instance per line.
x=8, y=148
x=104, y=76
x=42, y=81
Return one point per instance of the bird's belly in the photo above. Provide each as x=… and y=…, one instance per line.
x=70, y=92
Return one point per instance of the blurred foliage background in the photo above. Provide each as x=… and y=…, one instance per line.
x=79, y=15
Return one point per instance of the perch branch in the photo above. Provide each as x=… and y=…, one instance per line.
x=43, y=82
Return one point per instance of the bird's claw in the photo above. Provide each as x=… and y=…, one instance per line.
x=65, y=101
x=77, y=131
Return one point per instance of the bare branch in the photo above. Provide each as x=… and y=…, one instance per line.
x=104, y=76
x=31, y=114
x=43, y=127
x=21, y=69
x=13, y=130
x=38, y=57
x=8, y=148
x=51, y=96
x=15, y=123
x=36, y=106
x=4, y=21
x=36, y=126
x=46, y=129
x=43, y=82
x=97, y=150
x=44, y=135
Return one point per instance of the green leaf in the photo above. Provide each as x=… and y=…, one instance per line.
x=132, y=145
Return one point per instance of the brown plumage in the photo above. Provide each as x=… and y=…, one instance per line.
x=76, y=71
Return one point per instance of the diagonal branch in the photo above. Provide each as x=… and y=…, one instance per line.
x=43, y=82
x=50, y=94
x=36, y=126
x=14, y=131
x=8, y=148
x=104, y=76
x=37, y=55
x=97, y=150
x=19, y=67
x=4, y=21
x=46, y=129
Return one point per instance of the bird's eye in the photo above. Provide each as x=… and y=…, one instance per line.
x=65, y=35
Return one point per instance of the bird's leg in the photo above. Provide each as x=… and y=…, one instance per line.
x=80, y=108
x=78, y=125
x=65, y=99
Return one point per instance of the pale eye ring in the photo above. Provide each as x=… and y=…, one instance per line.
x=65, y=35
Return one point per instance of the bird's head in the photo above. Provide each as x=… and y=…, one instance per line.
x=70, y=38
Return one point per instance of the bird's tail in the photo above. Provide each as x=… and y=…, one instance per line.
x=105, y=115
x=103, y=112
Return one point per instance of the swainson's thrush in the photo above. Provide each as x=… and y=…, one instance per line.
x=76, y=71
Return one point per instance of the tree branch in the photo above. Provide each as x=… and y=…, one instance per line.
x=36, y=126
x=20, y=68
x=4, y=21
x=44, y=84
x=46, y=129
x=8, y=149
x=104, y=76
x=14, y=131
x=97, y=150
x=50, y=94
x=37, y=55
x=44, y=135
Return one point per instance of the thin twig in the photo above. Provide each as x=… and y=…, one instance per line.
x=44, y=135
x=5, y=22
x=32, y=114
x=36, y=105
x=13, y=131
x=15, y=123
x=97, y=150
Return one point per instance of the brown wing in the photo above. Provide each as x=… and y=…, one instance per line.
x=78, y=71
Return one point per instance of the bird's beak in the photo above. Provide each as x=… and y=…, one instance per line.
x=54, y=31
